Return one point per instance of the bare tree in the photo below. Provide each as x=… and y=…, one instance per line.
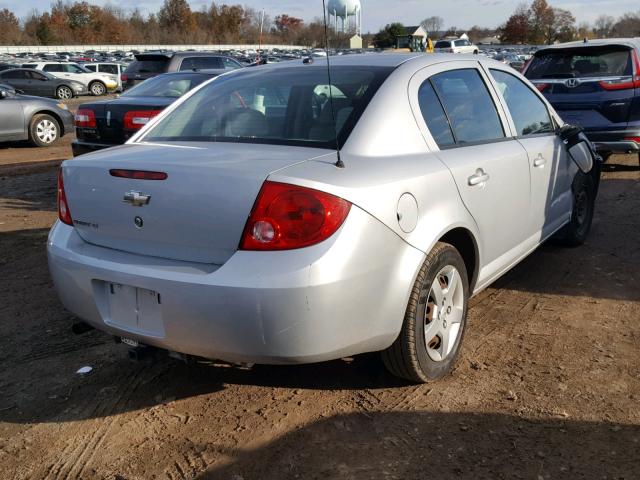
x=603, y=26
x=432, y=24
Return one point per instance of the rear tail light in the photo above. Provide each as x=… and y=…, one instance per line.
x=625, y=83
x=618, y=84
x=286, y=217
x=541, y=86
x=85, y=118
x=63, y=207
x=136, y=119
x=124, y=77
x=632, y=139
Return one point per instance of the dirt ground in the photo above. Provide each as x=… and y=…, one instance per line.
x=547, y=386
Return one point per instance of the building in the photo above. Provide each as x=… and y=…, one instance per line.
x=414, y=38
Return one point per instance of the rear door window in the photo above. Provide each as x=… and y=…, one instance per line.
x=148, y=66
x=469, y=106
x=201, y=63
x=93, y=68
x=15, y=75
x=584, y=62
x=434, y=116
x=442, y=44
x=528, y=111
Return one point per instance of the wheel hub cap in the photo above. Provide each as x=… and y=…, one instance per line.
x=443, y=313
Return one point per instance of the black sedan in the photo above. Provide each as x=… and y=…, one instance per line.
x=107, y=123
x=40, y=120
x=42, y=84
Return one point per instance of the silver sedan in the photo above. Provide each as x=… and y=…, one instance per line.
x=275, y=216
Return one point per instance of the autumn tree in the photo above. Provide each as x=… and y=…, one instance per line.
x=176, y=20
x=10, y=33
x=516, y=30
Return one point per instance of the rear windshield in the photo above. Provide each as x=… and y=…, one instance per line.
x=169, y=85
x=282, y=105
x=614, y=61
x=443, y=44
x=157, y=65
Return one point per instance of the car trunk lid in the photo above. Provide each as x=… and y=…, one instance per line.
x=589, y=86
x=109, y=115
x=196, y=214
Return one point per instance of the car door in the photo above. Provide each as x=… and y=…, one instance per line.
x=466, y=126
x=19, y=80
x=41, y=85
x=11, y=117
x=548, y=161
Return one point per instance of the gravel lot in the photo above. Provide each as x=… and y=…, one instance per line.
x=547, y=386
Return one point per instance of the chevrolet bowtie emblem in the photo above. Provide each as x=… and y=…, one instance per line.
x=136, y=199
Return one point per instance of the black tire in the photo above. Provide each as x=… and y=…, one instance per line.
x=409, y=357
x=584, y=195
x=44, y=130
x=64, y=93
x=97, y=88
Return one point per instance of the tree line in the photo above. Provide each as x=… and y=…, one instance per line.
x=79, y=22
x=540, y=23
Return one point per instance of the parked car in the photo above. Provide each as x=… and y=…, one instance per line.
x=40, y=120
x=107, y=123
x=96, y=83
x=594, y=84
x=231, y=228
x=42, y=84
x=110, y=68
x=148, y=65
x=513, y=60
x=460, y=45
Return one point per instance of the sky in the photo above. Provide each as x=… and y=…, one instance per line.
x=377, y=13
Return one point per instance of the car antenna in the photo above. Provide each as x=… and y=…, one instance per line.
x=339, y=163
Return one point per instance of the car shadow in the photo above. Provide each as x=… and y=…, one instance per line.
x=436, y=445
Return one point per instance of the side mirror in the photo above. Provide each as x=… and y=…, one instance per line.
x=578, y=146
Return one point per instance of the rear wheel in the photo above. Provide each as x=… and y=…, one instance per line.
x=576, y=231
x=64, y=93
x=435, y=319
x=97, y=88
x=44, y=130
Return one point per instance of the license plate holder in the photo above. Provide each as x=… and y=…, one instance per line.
x=134, y=309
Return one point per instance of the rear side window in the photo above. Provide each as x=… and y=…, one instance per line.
x=112, y=69
x=469, y=106
x=148, y=66
x=93, y=68
x=582, y=62
x=442, y=44
x=53, y=67
x=529, y=113
x=434, y=116
x=230, y=63
x=15, y=75
x=201, y=63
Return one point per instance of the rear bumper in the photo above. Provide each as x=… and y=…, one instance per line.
x=614, y=141
x=342, y=297
x=79, y=147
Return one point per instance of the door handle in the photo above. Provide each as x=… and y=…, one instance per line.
x=540, y=161
x=478, y=178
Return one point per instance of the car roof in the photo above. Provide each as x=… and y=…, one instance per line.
x=628, y=42
x=204, y=71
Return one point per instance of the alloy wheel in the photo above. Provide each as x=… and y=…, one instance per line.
x=64, y=93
